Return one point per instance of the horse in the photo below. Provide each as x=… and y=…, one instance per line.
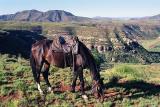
x=51, y=52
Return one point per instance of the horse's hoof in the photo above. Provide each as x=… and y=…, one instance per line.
x=73, y=91
x=101, y=100
x=85, y=97
x=50, y=89
x=41, y=93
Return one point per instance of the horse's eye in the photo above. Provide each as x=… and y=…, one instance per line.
x=98, y=88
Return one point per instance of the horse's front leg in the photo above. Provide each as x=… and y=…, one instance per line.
x=80, y=73
x=81, y=81
x=75, y=75
x=45, y=75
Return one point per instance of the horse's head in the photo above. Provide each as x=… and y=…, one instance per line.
x=97, y=88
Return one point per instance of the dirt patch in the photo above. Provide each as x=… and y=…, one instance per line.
x=12, y=96
x=62, y=87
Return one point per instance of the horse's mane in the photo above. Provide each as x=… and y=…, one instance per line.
x=88, y=57
x=85, y=50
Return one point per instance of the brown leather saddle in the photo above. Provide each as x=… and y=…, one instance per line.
x=65, y=44
x=68, y=45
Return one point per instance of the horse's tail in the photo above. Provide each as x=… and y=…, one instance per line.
x=33, y=66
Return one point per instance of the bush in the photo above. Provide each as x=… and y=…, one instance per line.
x=2, y=66
x=99, y=58
x=124, y=71
x=5, y=90
x=13, y=103
x=20, y=85
x=20, y=70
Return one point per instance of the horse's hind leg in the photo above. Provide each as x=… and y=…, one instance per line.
x=36, y=75
x=38, y=79
x=45, y=75
x=36, y=69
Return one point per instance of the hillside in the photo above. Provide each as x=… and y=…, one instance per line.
x=117, y=41
x=124, y=85
x=17, y=42
x=155, y=17
x=38, y=16
x=152, y=44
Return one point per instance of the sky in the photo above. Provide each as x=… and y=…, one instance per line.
x=86, y=8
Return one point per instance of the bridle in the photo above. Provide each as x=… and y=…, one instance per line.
x=99, y=92
x=96, y=83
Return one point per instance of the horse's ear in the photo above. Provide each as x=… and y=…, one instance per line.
x=76, y=38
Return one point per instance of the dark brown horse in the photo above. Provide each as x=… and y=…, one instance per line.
x=50, y=52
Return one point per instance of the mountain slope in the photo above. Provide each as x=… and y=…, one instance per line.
x=156, y=17
x=38, y=16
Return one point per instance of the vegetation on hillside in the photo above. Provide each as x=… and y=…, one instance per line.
x=130, y=70
x=125, y=85
x=116, y=38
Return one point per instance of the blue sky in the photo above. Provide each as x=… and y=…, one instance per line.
x=88, y=8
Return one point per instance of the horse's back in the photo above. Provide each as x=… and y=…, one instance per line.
x=45, y=42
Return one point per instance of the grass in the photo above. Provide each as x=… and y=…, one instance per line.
x=126, y=85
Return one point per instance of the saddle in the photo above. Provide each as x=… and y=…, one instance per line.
x=63, y=44
x=67, y=45
x=59, y=45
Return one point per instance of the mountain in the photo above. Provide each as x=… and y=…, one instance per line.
x=38, y=16
x=155, y=17
x=110, y=18
x=60, y=16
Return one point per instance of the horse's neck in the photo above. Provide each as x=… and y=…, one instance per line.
x=92, y=66
x=93, y=69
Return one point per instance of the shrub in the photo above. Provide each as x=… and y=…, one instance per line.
x=5, y=90
x=124, y=71
x=2, y=65
x=2, y=75
x=20, y=85
x=23, y=103
x=20, y=70
x=99, y=58
x=12, y=103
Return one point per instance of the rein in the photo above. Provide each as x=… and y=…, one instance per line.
x=73, y=56
x=95, y=85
